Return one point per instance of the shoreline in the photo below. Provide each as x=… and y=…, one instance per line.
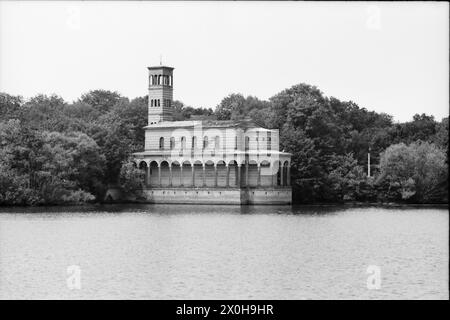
x=296, y=205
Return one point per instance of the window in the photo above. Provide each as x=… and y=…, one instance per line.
x=194, y=142
x=183, y=143
x=247, y=143
x=159, y=102
x=269, y=140
x=161, y=143
x=217, y=142
x=257, y=140
x=172, y=143
x=205, y=142
x=235, y=143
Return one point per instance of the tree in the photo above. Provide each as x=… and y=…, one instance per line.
x=237, y=107
x=230, y=107
x=344, y=178
x=418, y=171
x=47, y=167
x=44, y=113
x=441, y=136
x=289, y=102
x=10, y=106
x=102, y=100
x=131, y=178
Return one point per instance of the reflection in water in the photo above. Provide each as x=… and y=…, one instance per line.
x=223, y=252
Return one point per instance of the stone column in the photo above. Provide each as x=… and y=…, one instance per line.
x=204, y=175
x=215, y=175
x=228, y=176
x=259, y=175
x=193, y=174
x=273, y=175
x=147, y=183
x=282, y=176
x=159, y=174
x=246, y=173
x=238, y=176
x=170, y=175
x=181, y=175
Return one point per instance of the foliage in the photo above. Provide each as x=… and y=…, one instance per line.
x=131, y=178
x=47, y=167
x=417, y=171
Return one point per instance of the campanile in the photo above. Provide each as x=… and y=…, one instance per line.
x=160, y=94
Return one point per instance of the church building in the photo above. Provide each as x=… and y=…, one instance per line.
x=208, y=161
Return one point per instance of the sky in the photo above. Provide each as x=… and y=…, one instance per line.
x=390, y=57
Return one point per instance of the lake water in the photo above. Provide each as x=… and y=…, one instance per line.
x=223, y=252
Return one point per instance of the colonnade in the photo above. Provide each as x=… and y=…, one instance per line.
x=231, y=174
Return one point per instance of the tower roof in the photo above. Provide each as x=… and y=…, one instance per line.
x=159, y=67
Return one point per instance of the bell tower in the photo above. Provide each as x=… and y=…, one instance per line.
x=160, y=94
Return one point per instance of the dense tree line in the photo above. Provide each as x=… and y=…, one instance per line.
x=52, y=151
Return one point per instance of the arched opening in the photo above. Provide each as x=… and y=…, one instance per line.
x=232, y=177
x=221, y=173
x=165, y=174
x=252, y=174
x=143, y=167
x=279, y=172
x=209, y=174
x=161, y=143
x=154, y=181
x=266, y=173
x=285, y=173
x=176, y=174
x=186, y=174
x=198, y=174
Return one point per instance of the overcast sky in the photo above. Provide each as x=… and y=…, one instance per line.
x=387, y=57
